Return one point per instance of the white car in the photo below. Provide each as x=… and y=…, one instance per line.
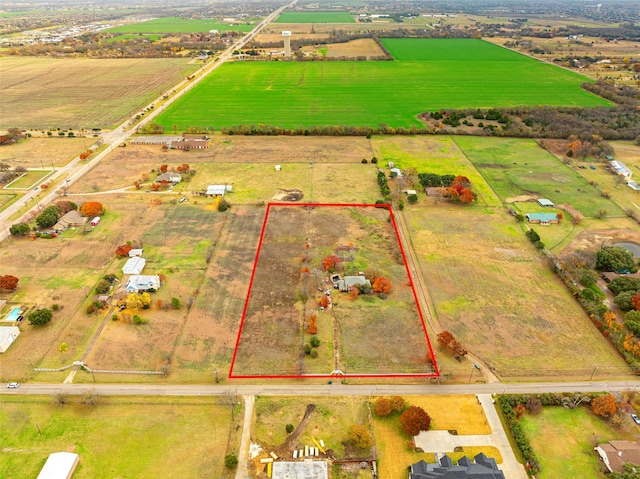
x=13, y=385
x=635, y=418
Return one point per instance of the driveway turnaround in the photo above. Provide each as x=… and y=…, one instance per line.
x=440, y=442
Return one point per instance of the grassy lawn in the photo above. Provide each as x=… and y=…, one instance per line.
x=179, y=25
x=462, y=413
x=330, y=421
x=135, y=36
x=29, y=179
x=515, y=167
x=315, y=17
x=563, y=441
x=292, y=94
x=117, y=438
x=438, y=154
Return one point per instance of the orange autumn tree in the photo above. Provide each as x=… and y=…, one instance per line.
x=604, y=405
x=381, y=285
x=123, y=249
x=91, y=208
x=330, y=262
x=312, y=327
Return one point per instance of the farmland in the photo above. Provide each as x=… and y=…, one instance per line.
x=293, y=94
x=464, y=254
x=106, y=433
x=43, y=93
x=180, y=25
x=516, y=167
x=372, y=335
x=315, y=17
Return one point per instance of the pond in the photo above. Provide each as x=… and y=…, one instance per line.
x=633, y=247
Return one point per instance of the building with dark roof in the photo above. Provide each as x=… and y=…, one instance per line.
x=481, y=468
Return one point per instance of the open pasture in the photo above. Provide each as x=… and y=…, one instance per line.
x=427, y=75
x=180, y=25
x=516, y=167
x=43, y=93
x=106, y=435
x=371, y=335
x=315, y=17
x=498, y=296
x=136, y=36
x=43, y=152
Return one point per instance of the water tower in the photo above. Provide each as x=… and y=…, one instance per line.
x=287, y=43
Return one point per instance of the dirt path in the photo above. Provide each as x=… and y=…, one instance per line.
x=243, y=456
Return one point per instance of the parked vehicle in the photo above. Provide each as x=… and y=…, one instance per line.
x=13, y=385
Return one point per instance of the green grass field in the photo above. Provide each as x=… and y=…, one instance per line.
x=516, y=167
x=145, y=438
x=562, y=440
x=179, y=25
x=470, y=73
x=135, y=36
x=315, y=17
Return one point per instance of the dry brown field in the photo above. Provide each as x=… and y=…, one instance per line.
x=498, y=296
x=43, y=152
x=277, y=37
x=363, y=47
x=44, y=93
x=464, y=255
x=368, y=335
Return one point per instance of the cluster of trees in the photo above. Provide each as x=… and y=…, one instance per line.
x=48, y=217
x=615, y=258
x=85, y=154
x=104, y=285
x=40, y=317
x=628, y=300
x=412, y=419
x=9, y=282
x=385, y=190
x=324, y=130
x=311, y=348
x=535, y=238
x=7, y=175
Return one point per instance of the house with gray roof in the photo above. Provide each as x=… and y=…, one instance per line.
x=481, y=467
x=350, y=282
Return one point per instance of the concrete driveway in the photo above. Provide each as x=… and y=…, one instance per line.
x=441, y=442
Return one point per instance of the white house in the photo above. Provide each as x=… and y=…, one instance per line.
x=59, y=465
x=134, y=265
x=139, y=283
x=8, y=335
x=216, y=190
x=173, y=178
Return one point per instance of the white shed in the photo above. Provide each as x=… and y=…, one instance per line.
x=59, y=465
x=134, y=265
x=8, y=335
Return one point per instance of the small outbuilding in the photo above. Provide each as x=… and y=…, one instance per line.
x=545, y=202
x=59, y=465
x=216, y=190
x=137, y=252
x=134, y=265
x=95, y=221
x=8, y=335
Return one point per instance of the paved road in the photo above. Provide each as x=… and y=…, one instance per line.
x=319, y=389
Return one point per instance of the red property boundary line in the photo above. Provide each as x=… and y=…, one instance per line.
x=363, y=375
